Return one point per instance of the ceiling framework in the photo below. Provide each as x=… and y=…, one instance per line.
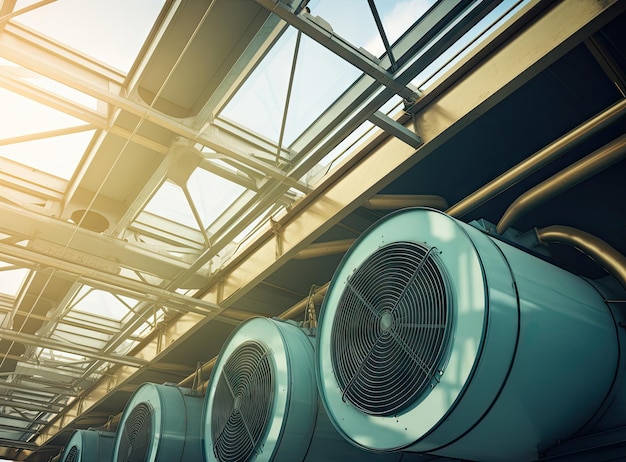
x=116, y=291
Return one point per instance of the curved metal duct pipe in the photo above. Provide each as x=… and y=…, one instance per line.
x=88, y=446
x=436, y=338
x=160, y=423
x=322, y=249
x=262, y=402
x=401, y=201
x=572, y=175
x=605, y=255
x=536, y=161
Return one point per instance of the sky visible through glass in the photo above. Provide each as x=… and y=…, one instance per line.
x=95, y=28
x=320, y=76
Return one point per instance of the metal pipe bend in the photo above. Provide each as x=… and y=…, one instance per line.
x=604, y=254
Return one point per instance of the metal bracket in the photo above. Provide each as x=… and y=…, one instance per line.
x=320, y=31
x=310, y=313
x=276, y=229
x=396, y=129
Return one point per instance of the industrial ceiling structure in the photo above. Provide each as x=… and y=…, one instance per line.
x=170, y=170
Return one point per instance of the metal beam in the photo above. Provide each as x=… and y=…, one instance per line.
x=395, y=129
x=106, y=281
x=20, y=418
x=17, y=40
x=24, y=386
x=366, y=95
x=25, y=179
x=18, y=444
x=324, y=35
x=29, y=225
x=28, y=406
x=42, y=342
x=13, y=428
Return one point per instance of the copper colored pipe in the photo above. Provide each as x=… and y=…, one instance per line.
x=562, y=181
x=605, y=255
x=539, y=159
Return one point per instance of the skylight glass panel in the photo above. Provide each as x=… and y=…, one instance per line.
x=126, y=346
x=353, y=20
x=399, y=16
x=58, y=156
x=11, y=279
x=209, y=194
x=40, y=147
x=212, y=194
x=320, y=78
x=467, y=43
x=112, y=31
x=21, y=116
x=100, y=303
x=170, y=202
x=60, y=356
x=80, y=335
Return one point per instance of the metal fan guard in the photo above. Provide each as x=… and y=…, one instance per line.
x=243, y=403
x=137, y=424
x=72, y=454
x=391, y=328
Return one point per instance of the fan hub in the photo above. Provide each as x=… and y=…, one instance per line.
x=386, y=321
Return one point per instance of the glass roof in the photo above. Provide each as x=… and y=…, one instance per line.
x=312, y=93
x=118, y=209
x=11, y=279
x=91, y=25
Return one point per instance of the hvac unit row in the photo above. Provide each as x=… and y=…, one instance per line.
x=435, y=342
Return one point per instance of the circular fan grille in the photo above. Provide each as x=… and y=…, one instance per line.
x=243, y=400
x=136, y=435
x=391, y=328
x=72, y=455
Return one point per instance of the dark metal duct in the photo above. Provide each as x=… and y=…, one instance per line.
x=88, y=446
x=160, y=423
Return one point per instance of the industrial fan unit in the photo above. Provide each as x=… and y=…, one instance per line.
x=160, y=423
x=262, y=401
x=88, y=446
x=435, y=337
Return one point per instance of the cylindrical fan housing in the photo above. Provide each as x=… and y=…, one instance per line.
x=434, y=337
x=262, y=402
x=160, y=423
x=88, y=446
